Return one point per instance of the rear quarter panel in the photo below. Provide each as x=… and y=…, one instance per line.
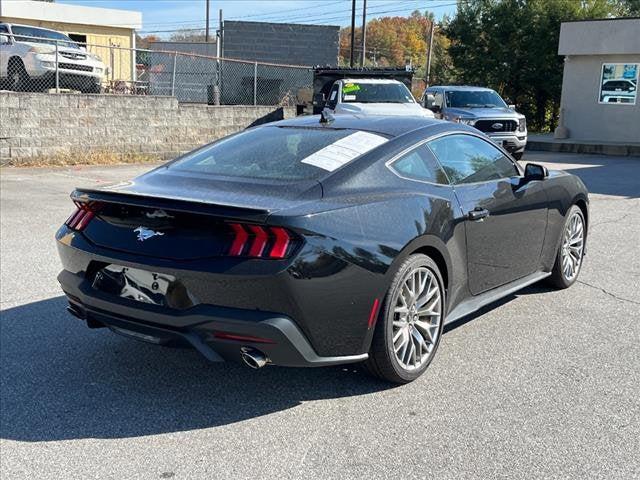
x=563, y=191
x=367, y=232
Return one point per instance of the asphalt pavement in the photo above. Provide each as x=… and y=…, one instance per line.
x=544, y=384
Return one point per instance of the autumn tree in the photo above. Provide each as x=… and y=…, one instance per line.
x=188, y=35
x=398, y=41
x=144, y=41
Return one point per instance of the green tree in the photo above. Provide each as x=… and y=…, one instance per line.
x=396, y=41
x=512, y=46
x=628, y=8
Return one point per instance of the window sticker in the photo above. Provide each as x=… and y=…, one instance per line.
x=340, y=153
x=349, y=98
x=350, y=88
x=333, y=95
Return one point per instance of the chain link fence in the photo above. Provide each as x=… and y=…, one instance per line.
x=37, y=64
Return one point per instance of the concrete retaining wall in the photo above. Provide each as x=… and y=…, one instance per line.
x=36, y=125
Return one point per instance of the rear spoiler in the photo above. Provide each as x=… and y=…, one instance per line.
x=84, y=195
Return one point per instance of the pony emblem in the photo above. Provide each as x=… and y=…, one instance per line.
x=146, y=233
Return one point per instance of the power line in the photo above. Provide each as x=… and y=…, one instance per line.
x=275, y=12
x=319, y=16
x=322, y=18
x=257, y=15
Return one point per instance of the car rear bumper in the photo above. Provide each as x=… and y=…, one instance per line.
x=218, y=333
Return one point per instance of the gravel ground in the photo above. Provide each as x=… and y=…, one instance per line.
x=544, y=384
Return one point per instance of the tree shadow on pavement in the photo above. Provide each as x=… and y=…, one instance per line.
x=61, y=380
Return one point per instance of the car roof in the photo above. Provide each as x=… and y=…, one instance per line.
x=369, y=80
x=462, y=88
x=385, y=125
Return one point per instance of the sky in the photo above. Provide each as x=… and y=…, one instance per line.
x=161, y=17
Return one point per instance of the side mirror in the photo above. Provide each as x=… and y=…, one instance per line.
x=428, y=100
x=4, y=39
x=318, y=99
x=435, y=108
x=533, y=171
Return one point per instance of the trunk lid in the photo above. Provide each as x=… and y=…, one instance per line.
x=182, y=216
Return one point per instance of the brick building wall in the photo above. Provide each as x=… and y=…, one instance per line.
x=35, y=125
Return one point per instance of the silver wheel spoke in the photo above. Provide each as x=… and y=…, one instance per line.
x=403, y=340
x=423, y=347
x=426, y=328
x=431, y=308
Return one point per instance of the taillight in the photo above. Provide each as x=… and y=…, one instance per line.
x=256, y=241
x=83, y=214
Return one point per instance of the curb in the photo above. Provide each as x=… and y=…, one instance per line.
x=589, y=148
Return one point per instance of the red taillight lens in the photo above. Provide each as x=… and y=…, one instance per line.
x=281, y=243
x=259, y=242
x=239, y=240
x=83, y=214
x=256, y=241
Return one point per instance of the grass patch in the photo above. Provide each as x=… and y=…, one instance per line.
x=66, y=159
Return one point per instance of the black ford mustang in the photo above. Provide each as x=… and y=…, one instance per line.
x=309, y=243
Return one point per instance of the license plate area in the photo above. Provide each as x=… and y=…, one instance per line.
x=135, y=284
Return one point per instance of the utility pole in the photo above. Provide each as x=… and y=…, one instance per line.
x=363, y=59
x=206, y=34
x=353, y=30
x=427, y=78
x=221, y=34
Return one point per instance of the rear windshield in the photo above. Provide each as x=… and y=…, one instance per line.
x=284, y=153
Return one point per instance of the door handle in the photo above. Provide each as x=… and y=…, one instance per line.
x=478, y=213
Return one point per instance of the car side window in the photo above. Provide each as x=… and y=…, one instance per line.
x=4, y=29
x=420, y=164
x=469, y=159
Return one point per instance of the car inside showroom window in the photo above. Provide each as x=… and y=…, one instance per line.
x=619, y=83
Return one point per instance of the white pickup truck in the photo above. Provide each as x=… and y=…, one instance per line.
x=28, y=60
x=373, y=96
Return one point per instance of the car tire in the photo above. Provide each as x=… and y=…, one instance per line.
x=570, y=249
x=389, y=358
x=517, y=155
x=18, y=78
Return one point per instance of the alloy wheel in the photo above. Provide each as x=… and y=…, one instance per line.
x=572, y=247
x=416, y=318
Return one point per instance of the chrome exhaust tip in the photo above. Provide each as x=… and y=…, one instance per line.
x=253, y=358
